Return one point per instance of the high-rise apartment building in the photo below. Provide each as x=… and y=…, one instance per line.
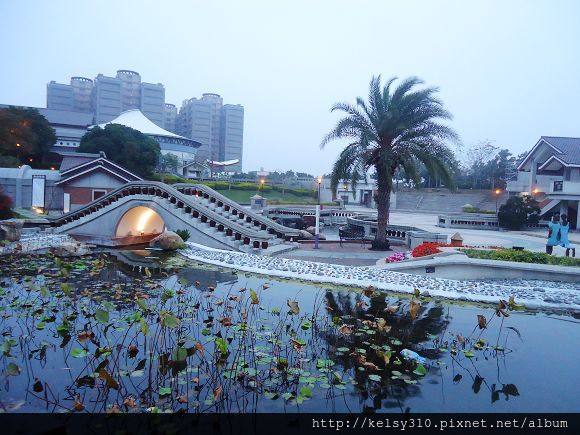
x=195, y=122
x=152, y=102
x=106, y=97
x=219, y=128
x=76, y=97
x=59, y=96
x=130, y=89
x=170, y=118
x=232, y=135
x=216, y=103
x=82, y=88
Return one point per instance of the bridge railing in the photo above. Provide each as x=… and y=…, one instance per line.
x=218, y=198
x=239, y=232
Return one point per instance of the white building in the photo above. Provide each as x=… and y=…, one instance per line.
x=551, y=173
x=362, y=195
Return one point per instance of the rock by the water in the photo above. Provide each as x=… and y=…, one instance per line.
x=305, y=235
x=71, y=249
x=311, y=229
x=168, y=241
x=11, y=229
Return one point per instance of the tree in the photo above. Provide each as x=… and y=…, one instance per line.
x=167, y=163
x=25, y=135
x=498, y=168
x=125, y=146
x=396, y=129
x=513, y=214
x=477, y=158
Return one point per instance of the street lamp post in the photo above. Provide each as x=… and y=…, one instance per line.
x=261, y=185
x=497, y=193
x=18, y=154
x=317, y=228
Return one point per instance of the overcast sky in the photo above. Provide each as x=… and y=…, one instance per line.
x=509, y=71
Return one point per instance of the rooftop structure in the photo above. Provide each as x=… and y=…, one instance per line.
x=182, y=147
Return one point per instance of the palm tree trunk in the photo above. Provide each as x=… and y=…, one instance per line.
x=385, y=186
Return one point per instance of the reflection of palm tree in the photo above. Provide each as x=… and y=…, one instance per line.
x=409, y=333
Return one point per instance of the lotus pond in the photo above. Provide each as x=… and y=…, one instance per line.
x=130, y=332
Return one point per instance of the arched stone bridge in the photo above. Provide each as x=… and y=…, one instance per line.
x=141, y=209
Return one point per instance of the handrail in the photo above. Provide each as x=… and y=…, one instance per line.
x=262, y=219
x=170, y=191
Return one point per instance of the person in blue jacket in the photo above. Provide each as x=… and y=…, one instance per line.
x=553, y=233
x=564, y=241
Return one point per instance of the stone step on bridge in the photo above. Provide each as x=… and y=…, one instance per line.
x=227, y=207
x=142, y=208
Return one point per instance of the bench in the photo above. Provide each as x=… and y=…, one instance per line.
x=346, y=233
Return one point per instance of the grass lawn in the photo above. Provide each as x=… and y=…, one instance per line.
x=243, y=197
x=521, y=257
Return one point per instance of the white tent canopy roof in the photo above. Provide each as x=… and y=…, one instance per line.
x=135, y=119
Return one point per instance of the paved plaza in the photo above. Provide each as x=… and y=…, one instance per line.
x=532, y=240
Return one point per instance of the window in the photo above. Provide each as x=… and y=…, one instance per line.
x=97, y=193
x=558, y=186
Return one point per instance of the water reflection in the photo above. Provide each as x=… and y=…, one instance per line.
x=362, y=336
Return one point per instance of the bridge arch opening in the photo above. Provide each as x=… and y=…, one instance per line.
x=140, y=221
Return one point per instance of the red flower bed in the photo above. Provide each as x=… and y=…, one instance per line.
x=426, y=249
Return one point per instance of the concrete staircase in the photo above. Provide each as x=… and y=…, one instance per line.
x=441, y=200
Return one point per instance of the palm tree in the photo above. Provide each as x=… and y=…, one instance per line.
x=395, y=131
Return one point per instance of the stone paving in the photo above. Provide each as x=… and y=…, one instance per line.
x=532, y=240
x=349, y=254
x=534, y=294
x=31, y=242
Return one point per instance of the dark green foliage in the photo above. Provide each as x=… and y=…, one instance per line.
x=5, y=205
x=169, y=179
x=521, y=257
x=477, y=210
x=125, y=146
x=184, y=234
x=167, y=163
x=532, y=209
x=517, y=211
x=396, y=131
x=29, y=129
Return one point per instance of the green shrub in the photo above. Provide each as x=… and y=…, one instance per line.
x=184, y=234
x=521, y=257
x=477, y=210
x=5, y=205
x=169, y=179
x=513, y=214
x=518, y=211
